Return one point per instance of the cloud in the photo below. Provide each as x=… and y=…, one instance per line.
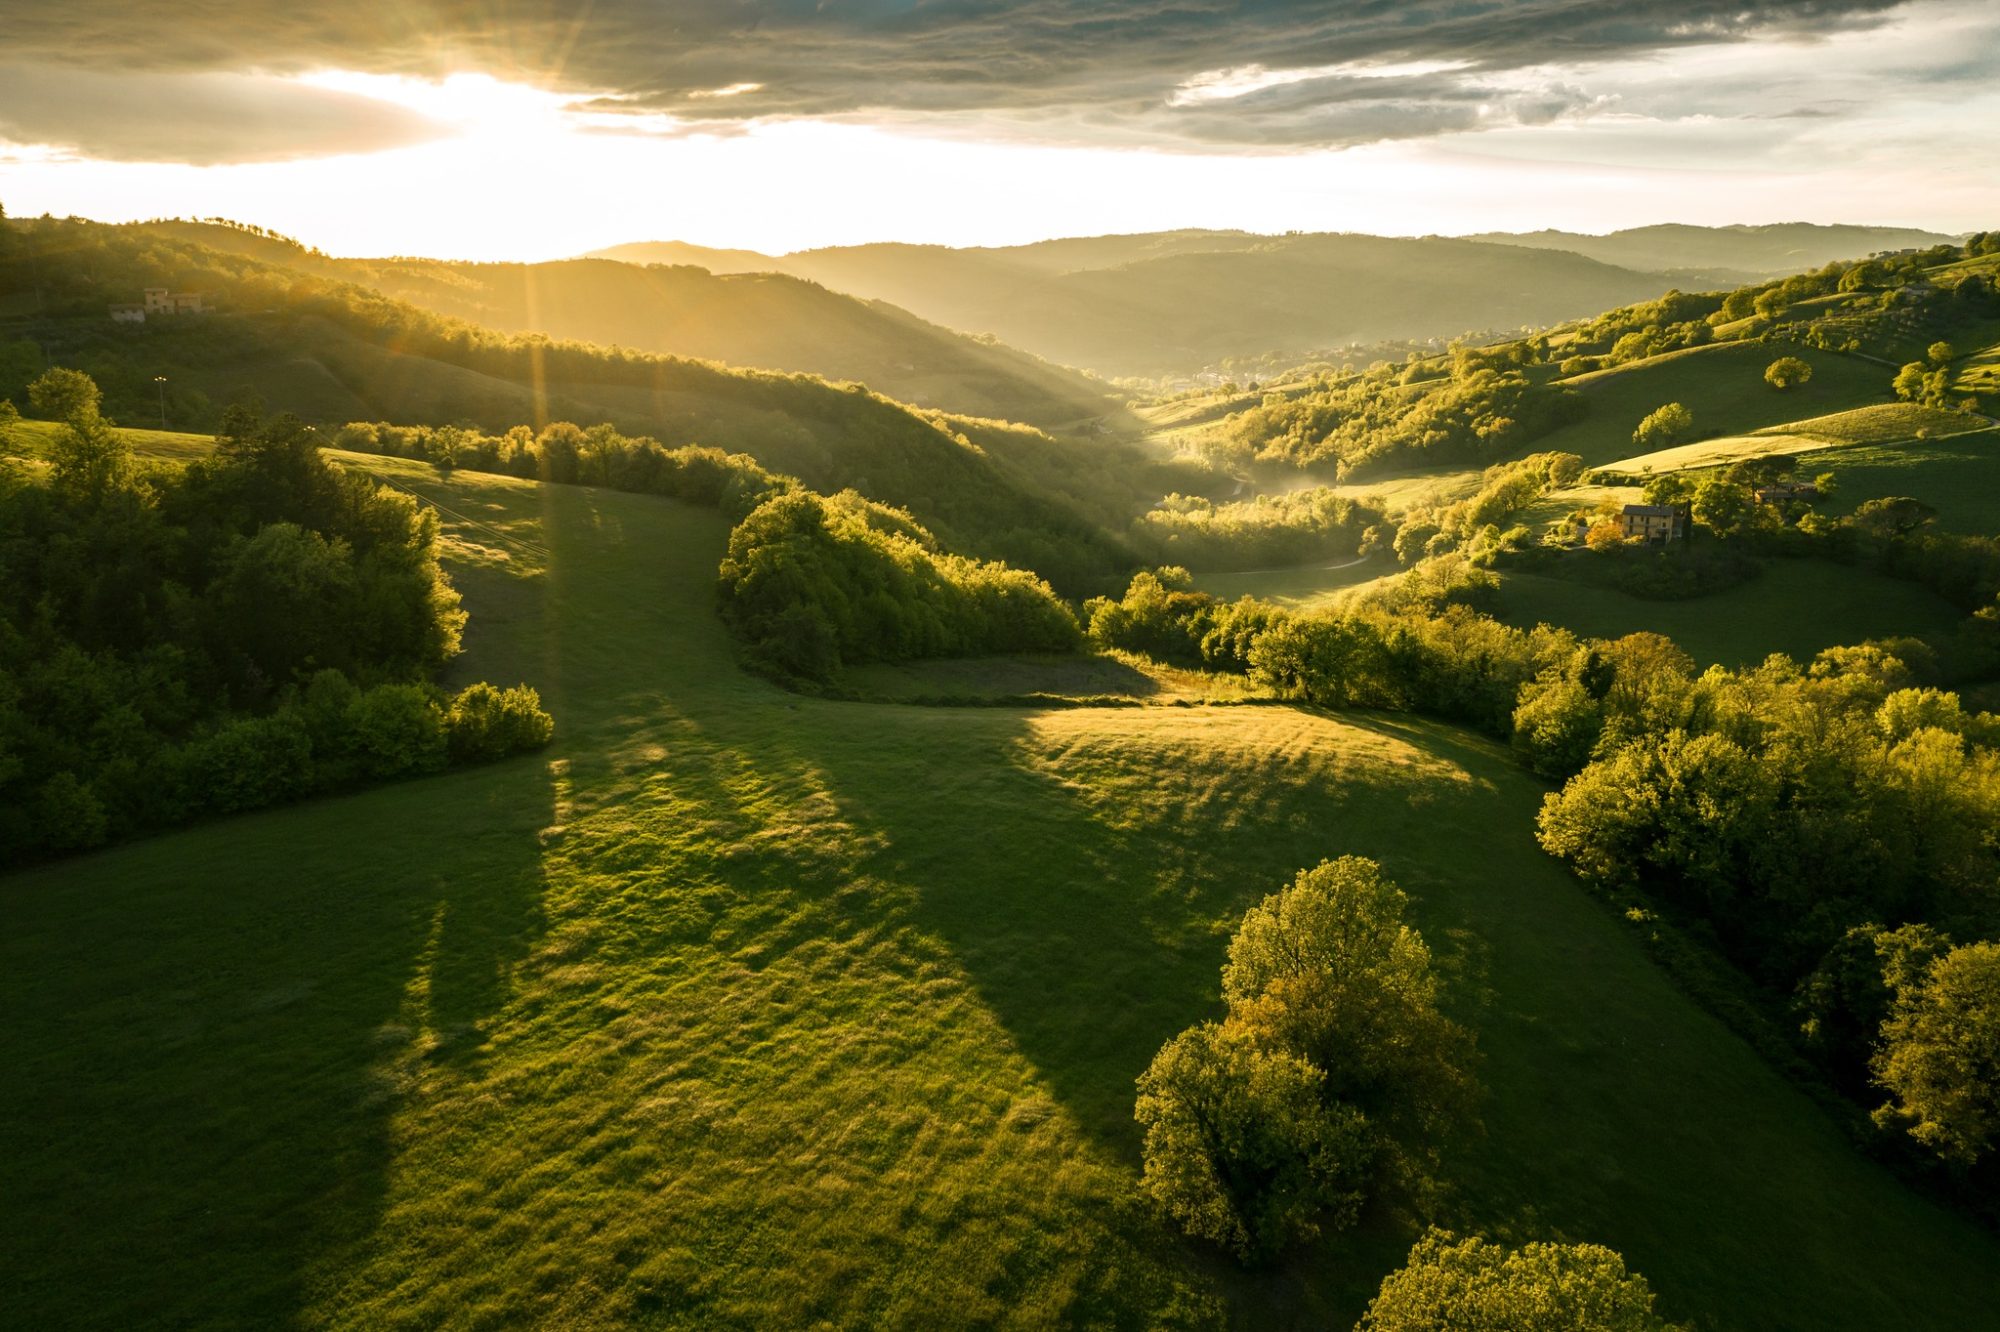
x=197, y=118
x=1281, y=74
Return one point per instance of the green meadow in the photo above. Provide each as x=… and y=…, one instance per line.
x=1793, y=606
x=735, y=1008
x=1722, y=384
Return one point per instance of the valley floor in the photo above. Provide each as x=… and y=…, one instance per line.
x=741, y=1008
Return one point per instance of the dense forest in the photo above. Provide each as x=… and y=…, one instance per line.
x=180, y=642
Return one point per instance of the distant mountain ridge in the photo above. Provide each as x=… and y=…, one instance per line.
x=1173, y=303
x=1738, y=252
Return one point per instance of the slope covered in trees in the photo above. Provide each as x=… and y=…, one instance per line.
x=333, y=352
x=763, y=320
x=178, y=642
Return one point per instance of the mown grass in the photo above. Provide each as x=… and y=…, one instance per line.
x=738, y=1008
x=1794, y=606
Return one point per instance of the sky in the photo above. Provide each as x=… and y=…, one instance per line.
x=529, y=129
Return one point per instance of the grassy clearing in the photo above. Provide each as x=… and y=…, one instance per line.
x=1885, y=423
x=1713, y=453
x=739, y=1008
x=1722, y=384
x=31, y=439
x=1304, y=588
x=1795, y=606
x=1959, y=477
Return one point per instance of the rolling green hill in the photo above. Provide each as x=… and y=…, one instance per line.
x=1732, y=254
x=761, y=320
x=1722, y=384
x=712, y=1015
x=333, y=352
x=1180, y=302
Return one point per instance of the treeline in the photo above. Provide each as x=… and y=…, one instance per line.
x=1269, y=530
x=566, y=454
x=1820, y=824
x=829, y=435
x=1476, y=406
x=1482, y=524
x=1829, y=827
x=254, y=627
x=812, y=583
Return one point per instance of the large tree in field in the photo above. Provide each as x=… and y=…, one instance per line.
x=1940, y=1056
x=1241, y=1146
x=1665, y=427
x=88, y=457
x=1329, y=968
x=1334, y=1068
x=1470, y=1285
x=1787, y=372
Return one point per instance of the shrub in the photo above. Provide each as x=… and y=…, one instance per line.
x=1787, y=372
x=486, y=723
x=398, y=729
x=1471, y=1285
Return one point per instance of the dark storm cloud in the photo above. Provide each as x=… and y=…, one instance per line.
x=1094, y=69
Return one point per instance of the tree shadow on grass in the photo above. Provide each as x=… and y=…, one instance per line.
x=200, y=1040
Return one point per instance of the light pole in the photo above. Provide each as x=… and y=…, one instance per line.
x=161, y=380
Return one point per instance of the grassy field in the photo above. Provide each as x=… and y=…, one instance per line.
x=1884, y=423
x=1303, y=588
x=1959, y=477
x=1795, y=606
x=1722, y=384
x=30, y=439
x=735, y=1008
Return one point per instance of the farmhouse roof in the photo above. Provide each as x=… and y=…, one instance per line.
x=1651, y=510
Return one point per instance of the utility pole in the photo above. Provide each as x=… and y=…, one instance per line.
x=161, y=380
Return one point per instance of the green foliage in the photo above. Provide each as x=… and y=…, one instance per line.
x=570, y=455
x=1263, y=532
x=1329, y=969
x=812, y=583
x=1940, y=1055
x=1787, y=372
x=1664, y=427
x=157, y=628
x=1242, y=1147
x=1472, y=1285
x=1775, y=805
x=1335, y=1069
x=87, y=455
x=1485, y=409
x=486, y=723
x=1161, y=616
x=1847, y=997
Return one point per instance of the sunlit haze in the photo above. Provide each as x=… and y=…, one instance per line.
x=1784, y=123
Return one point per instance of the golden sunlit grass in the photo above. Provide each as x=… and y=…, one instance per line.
x=735, y=1007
